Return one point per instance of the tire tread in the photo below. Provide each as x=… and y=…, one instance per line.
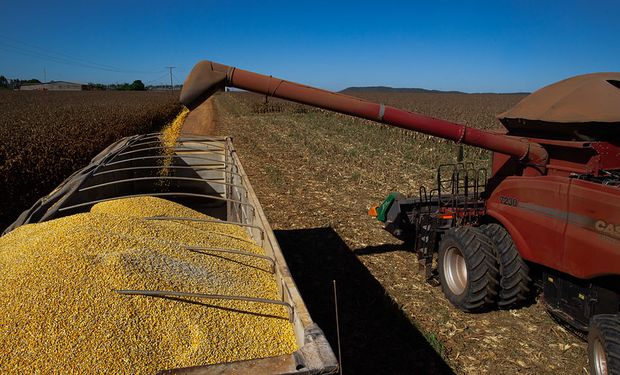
x=482, y=269
x=515, y=282
x=607, y=328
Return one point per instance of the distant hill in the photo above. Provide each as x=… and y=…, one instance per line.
x=353, y=90
x=396, y=89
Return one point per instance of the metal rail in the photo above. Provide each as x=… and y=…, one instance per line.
x=174, y=218
x=169, y=167
x=178, y=142
x=176, y=148
x=166, y=293
x=163, y=157
x=112, y=156
x=103, y=184
x=166, y=194
x=170, y=218
x=184, y=135
x=203, y=250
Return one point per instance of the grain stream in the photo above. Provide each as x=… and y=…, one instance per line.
x=170, y=135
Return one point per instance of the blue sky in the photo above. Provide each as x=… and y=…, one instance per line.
x=490, y=46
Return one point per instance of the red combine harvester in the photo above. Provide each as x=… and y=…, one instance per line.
x=549, y=213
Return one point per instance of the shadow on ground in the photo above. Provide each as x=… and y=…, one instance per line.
x=376, y=337
x=383, y=248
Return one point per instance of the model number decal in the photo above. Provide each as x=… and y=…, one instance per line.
x=508, y=201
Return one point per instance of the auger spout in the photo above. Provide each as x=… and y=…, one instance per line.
x=207, y=77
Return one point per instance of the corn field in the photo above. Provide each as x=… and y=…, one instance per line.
x=46, y=136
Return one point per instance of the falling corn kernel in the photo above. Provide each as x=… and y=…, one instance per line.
x=168, y=139
x=59, y=311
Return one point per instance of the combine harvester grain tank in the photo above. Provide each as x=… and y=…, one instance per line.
x=548, y=214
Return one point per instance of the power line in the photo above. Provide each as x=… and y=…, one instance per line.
x=59, y=60
x=32, y=54
x=13, y=45
x=175, y=77
x=160, y=79
x=171, y=84
x=13, y=40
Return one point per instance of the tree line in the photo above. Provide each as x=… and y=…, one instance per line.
x=16, y=83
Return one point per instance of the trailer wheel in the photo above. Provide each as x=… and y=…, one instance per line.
x=468, y=269
x=604, y=344
x=514, y=279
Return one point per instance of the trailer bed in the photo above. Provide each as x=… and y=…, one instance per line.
x=203, y=173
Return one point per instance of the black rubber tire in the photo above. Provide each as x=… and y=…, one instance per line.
x=515, y=282
x=605, y=328
x=480, y=292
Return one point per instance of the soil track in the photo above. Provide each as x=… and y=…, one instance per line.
x=201, y=120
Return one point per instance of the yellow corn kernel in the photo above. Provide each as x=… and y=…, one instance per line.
x=169, y=137
x=59, y=311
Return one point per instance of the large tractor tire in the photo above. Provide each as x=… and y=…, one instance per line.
x=468, y=269
x=604, y=344
x=515, y=282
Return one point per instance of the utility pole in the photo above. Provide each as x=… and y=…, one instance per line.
x=44, y=75
x=171, y=85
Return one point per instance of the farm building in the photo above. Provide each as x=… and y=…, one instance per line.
x=54, y=86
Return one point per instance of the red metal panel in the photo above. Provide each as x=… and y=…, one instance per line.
x=608, y=155
x=570, y=225
x=592, y=246
x=534, y=211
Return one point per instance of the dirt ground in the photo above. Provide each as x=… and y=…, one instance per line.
x=201, y=120
x=316, y=174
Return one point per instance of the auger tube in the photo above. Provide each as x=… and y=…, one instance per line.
x=207, y=77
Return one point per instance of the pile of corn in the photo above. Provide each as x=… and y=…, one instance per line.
x=59, y=311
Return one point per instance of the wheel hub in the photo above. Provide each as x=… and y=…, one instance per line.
x=599, y=358
x=455, y=270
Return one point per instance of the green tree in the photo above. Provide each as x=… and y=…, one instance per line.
x=95, y=86
x=4, y=83
x=137, y=85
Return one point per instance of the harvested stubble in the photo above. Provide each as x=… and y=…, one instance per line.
x=59, y=311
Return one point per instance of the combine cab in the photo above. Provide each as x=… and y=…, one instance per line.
x=548, y=214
